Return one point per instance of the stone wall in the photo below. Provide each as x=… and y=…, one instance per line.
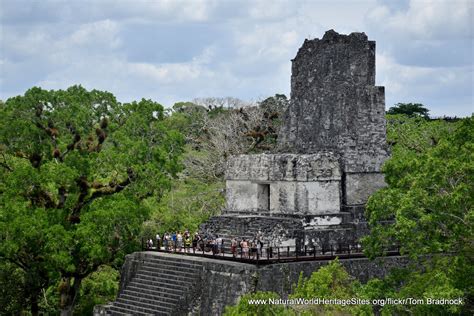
x=220, y=283
x=289, y=230
x=287, y=273
x=321, y=166
x=335, y=104
x=284, y=231
x=284, y=184
x=285, y=197
x=359, y=186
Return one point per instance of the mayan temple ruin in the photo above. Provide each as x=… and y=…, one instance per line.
x=332, y=145
x=311, y=194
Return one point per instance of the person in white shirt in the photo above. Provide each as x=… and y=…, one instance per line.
x=219, y=242
x=179, y=241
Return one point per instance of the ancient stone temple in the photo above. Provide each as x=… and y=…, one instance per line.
x=312, y=192
x=331, y=148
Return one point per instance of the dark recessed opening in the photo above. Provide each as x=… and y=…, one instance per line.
x=263, y=196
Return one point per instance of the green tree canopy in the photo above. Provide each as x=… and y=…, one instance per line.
x=410, y=109
x=427, y=207
x=329, y=282
x=75, y=168
x=244, y=306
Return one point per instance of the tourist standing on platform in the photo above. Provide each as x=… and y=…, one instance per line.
x=196, y=240
x=233, y=246
x=259, y=248
x=245, y=248
x=253, y=248
x=166, y=240
x=149, y=243
x=173, y=241
x=212, y=243
x=158, y=241
x=219, y=243
x=187, y=242
x=179, y=239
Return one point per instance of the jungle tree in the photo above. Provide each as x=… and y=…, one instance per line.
x=428, y=210
x=76, y=170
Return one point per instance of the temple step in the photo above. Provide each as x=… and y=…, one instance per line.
x=158, y=287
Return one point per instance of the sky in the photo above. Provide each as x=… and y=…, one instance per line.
x=178, y=50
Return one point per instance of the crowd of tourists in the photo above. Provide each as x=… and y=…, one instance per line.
x=186, y=242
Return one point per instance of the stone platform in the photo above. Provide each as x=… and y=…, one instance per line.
x=155, y=283
x=299, y=231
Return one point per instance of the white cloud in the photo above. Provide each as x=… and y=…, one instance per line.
x=266, y=42
x=435, y=87
x=427, y=20
x=166, y=73
x=100, y=32
x=424, y=53
x=262, y=10
x=159, y=11
x=227, y=48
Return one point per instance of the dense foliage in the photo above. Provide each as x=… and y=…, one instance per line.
x=189, y=203
x=245, y=306
x=427, y=209
x=83, y=178
x=409, y=109
x=330, y=282
x=77, y=171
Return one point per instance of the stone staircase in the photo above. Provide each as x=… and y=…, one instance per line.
x=160, y=286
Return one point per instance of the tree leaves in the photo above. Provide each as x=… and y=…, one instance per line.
x=430, y=199
x=76, y=167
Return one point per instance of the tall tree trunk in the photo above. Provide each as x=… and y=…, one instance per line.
x=69, y=294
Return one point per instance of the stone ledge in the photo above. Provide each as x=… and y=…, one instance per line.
x=322, y=166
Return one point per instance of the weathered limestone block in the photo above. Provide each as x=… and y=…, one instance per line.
x=336, y=58
x=320, y=166
x=364, y=160
x=284, y=183
x=241, y=195
x=285, y=197
x=287, y=273
x=305, y=198
x=359, y=186
x=335, y=105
